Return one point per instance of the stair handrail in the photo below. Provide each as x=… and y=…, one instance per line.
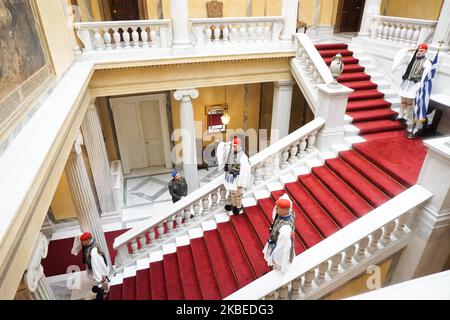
x=309, y=69
x=204, y=201
x=300, y=281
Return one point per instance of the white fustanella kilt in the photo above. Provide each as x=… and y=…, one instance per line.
x=408, y=89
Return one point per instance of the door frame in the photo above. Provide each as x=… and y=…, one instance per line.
x=165, y=135
x=105, y=7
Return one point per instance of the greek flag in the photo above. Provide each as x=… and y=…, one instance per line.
x=423, y=94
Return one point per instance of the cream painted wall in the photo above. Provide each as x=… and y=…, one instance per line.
x=412, y=8
x=327, y=15
x=235, y=101
x=59, y=36
x=107, y=128
x=152, y=9
x=62, y=203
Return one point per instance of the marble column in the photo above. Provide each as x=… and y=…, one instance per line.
x=281, y=111
x=429, y=245
x=83, y=196
x=188, y=136
x=371, y=7
x=98, y=158
x=442, y=32
x=332, y=102
x=180, y=23
x=289, y=10
x=36, y=284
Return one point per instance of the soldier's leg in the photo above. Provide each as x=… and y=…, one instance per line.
x=409, y=113
x=233, y=198
x=401, y=115
x=229, y=205
x=237, y=208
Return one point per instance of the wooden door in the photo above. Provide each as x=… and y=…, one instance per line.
x=350, y=15
x=129, y=134
x=151, y=128
x=124, y=9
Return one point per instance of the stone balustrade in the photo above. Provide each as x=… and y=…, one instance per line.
x=343, y=255
x=203, y=202
x=403, y=31
x=237, y=30
x=117, y=35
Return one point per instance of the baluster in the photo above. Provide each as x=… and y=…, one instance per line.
x=116, y=36
x=160, y=229
x=196, y=208
x=123, y=255
x=373, y=30
x=259, y=33
x=214, y=199
x=293, y=149
x=134, y=247
x=323, y=267
x=388, y=228
x=335, y=261
x=216, y=33
x=409, y=34
x=267, y=33
x=402, y=37
x=295, y=288
x=270, y=296
x=205, y=205
x=107, y=38
x=415, y=35
x=251, y=33
x=284, y=158
x=268, y=172
x=153, y=38
x=397, y=31
x=170, y=223
x=375, y=237
x=302, y=147
x=126, y=38
x=312, y=142
x=309, y=277
x=242, y=33
x=362, y=245
x=391, y=33
x=401, y=222
x=223, y=196
x=259, y=173
x=349, y=252
x=276, y=164
x=283, y=292
x=135, y=37
x=199, y=33
x=315, y=77
x=143, y=241
x=187, y=214
x=144, y=37
x=99, y=44
x=225, y=33
x=208, y=34
x=380, y=30
x=385, y=31
x=152, y=235
x=179, y=220
x=276, y=30
x=234, y=34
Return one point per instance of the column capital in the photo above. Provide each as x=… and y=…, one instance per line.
x=79, y=141
x=186, y=95
x=35, y=271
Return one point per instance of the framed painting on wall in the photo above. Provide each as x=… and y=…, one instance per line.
x=25, y=64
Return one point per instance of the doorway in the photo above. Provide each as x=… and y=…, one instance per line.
x=142, y=132
x=124, y=10
x=349, y=15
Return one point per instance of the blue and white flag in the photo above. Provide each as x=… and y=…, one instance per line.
x=423, y=94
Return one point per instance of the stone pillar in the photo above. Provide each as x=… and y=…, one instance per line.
x=281, y=111
x=371, y=7
x=442, y=32
x=36, y=284
x=83, y=197
x=429, y=245
x=188, y=136
x=289, y=10
x=332, y=102
x=180, y=23
x=98, y=158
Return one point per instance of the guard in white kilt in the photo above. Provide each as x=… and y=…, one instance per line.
x=417, y=66
x=279, y=250
x=94, y=259
x=233, y=160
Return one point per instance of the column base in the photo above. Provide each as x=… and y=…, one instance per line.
x=111, y=217
x=328, y=138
